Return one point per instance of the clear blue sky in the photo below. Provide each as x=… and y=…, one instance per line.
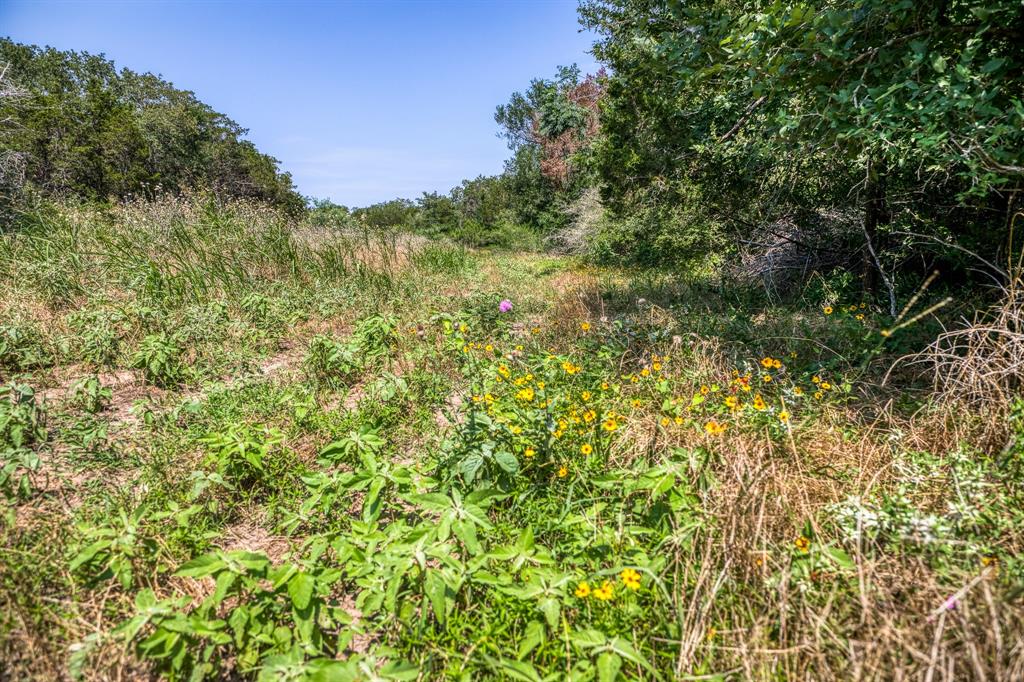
x=360, y=101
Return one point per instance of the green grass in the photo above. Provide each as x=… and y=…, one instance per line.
x=233, y=445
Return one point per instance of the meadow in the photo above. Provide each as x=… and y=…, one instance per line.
x=239, y=445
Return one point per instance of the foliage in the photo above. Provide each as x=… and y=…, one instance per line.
x=90, y=130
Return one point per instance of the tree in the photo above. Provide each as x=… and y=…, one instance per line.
x=791, y=105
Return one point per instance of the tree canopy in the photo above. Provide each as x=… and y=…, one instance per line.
x=82, y=128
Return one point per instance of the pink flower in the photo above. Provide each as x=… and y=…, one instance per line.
x=505, y=306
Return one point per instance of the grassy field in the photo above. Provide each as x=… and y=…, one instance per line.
x=236, y=446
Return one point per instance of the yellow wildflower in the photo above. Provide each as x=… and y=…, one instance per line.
x=605, y=592
x=586, y=448
x=802, y=544
x=630, y=578
x=583, y=590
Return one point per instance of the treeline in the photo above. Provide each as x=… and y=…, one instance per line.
x=74, y=126
x=878, y=138
x=549, y=128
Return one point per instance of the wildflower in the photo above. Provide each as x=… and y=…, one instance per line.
x=825, y=385
x=784, y=417
x=816, y=379
x=589, y=416
x=767, y=378
x=540, y=385
x=634, y=378
x=859, y=316
x=818, y=395
x=586, y=448
x=503, y=370
x=679, y=421
x=767, y=362
x=635, y=402
x=505, y=305
x=645, y=372
x=585, y=326
x=605, y=592
x=704, y=390
x=563, y=471
x=827, y=310
x=798, y=391
x=656, y=366
x=863, y=305
x=802, y=544
x=570, y=368
x=759, y=404
x=530, y=452
x=583, y=590
x=630, y=578
x=665, y=421
x=714, y=428
x=488, y=348
x=732, y=402
x=585, y=396
x=604, y=385
x=609, y=424
x=525, y=394
x=776, y=364
x=711, y=634
x=535, y=330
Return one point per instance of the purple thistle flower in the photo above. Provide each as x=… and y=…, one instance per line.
x=505, y=305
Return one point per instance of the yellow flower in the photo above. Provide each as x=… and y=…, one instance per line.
x=656, y=366
x=798, y=391
x=704, y=390
x=609, y=424
x=589, y=416
x=525, y=394
x=583, y=590
x=540, y=385
x=605, y=592
x=604, y=385
x=818, y=395
x=665, y=421
x=535, y=330
x=776, y=364
x=586, y=448
x=714, y=428
x=802, y=544
x=679, y=421
x=759, y=403
x=634, y=378
x=503, y=370
x=645, y=372
x=859, y=316
x=784, y=417
x=825, y=385
x=827, y=310
x=816, y=379
x=732, y=402
x=530, y=452
x=767, y=362
x=767, y=378
x=585, y=326
x=635, y=402
x=585, y=395
x=630, y=578
x=488, y=348
x=563, y=471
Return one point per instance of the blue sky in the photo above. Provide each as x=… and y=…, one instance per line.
x=360, y=101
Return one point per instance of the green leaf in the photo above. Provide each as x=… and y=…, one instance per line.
x=507, y=461
x=608, y=665
x=534, y=636
x=207, y=564
x=300, y=589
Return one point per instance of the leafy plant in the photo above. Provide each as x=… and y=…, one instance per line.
x=160, y=359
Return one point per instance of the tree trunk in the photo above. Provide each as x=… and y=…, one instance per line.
x=875, y=213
